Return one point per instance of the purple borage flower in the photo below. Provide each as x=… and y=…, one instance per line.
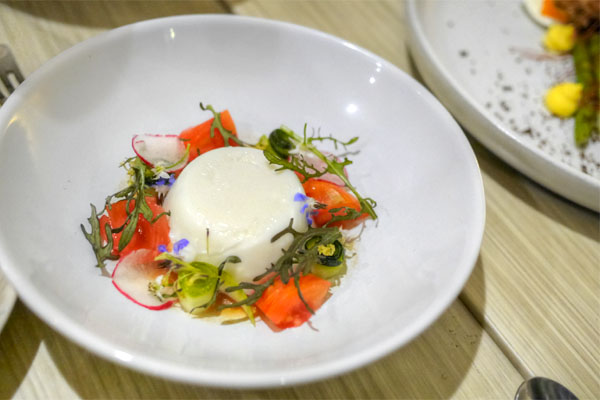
x=168, y=182
x=306, y=208
x=177, y=247
x=180, y=245
x=300, y=197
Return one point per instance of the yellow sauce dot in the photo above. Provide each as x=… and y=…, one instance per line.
x=560, y=38
x=563, y=99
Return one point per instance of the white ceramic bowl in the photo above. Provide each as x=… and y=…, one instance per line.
x=8, y=297
x=66, y=129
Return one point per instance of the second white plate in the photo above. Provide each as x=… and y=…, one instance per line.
x=484, y=61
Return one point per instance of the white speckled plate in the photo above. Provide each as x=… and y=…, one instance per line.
x=69, y=125
x=485, y=62
x=7, y=300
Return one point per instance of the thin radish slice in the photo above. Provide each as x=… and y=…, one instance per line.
x=319, y=165
x=132, y=275
x=165, y=150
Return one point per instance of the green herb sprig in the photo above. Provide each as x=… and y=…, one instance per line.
x=297, y=164
x=102, y=253
x=218, y=125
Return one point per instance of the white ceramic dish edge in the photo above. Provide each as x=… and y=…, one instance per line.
x=105, y=349
x=537, y=165
x=8, y=297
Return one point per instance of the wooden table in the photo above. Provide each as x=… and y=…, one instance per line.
x=531, y=307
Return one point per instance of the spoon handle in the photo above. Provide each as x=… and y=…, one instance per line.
x=539, y=388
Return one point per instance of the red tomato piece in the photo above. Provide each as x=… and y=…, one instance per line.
x=199, y=140
x=147, y=235
x=333, y=196
x=281, y=304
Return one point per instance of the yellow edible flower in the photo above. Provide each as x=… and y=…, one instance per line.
x=563, y=99
x=328, y=250
x=560, y=38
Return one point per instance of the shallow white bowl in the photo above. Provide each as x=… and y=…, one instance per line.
x=66, y=129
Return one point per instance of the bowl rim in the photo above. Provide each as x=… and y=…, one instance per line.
x=140, y=362
x=8, y=298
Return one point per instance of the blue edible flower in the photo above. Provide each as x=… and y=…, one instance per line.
x=306, y=207
x=164, y=181
x=300, y=197
x=180, y=245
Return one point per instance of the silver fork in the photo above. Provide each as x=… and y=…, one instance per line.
x=10, y=75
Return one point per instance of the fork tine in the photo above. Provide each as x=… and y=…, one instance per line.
x=7, y=83
x=18, y=74
x=8, y=66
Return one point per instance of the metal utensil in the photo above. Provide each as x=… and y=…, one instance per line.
x=10, y=75
x=539, y=388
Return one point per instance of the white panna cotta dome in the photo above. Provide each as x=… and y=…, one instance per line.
x=231, y=202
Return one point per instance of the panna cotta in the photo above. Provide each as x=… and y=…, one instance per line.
x=231, y=202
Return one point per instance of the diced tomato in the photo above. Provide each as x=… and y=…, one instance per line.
x=333, y=196
x=199, y=140
x=550, y=10
x=147, y=235
x=283, y=307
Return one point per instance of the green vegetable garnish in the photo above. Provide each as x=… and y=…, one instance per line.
x=332, y=261
x=198, y=284
x=330, y=255
x=329, y=273
x=281, y=143
x=585, y=56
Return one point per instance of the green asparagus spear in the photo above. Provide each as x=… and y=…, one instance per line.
x=585, y=55
x=595, y=90
x=585, y=122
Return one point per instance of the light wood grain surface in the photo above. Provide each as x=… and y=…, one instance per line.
x=531, y=307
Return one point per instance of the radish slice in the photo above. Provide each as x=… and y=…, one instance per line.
x=165, y=150
x=319, y=165
x=131, y=277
